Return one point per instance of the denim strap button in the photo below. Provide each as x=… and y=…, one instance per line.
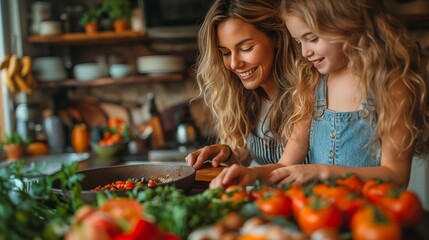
x=365, y=113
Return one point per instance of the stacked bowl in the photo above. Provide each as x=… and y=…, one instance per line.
x=47, y=69
x=158, y=64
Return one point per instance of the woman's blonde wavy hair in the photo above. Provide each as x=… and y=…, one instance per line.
x=380, y=53
x=236, y=109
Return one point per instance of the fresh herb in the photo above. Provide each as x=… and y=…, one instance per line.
x=181, y=214
x=29, y=208
x=92, y=15
x=117, y=9
x=15, y=138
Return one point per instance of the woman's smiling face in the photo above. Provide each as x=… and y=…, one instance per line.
x=247, y=52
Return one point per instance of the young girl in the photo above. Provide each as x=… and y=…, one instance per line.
x=244, y=67
x=361, y=99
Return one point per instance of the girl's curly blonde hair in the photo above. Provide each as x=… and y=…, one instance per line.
x=380, y=53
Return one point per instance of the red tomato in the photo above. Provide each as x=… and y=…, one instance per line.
x=115, y=123
x=277, y=204
x=371, y=222
x=348, y=205
x=298, y=198
x=293, y=189
x=405, y=207
x=124, y=209
x=151, y=183
x=115, y=138
x=332, y=192
x=352, y=182
x=256, y=194
x=318, y=214
x=142, y=230
x=375, y=190
x=234, y=193
x=129, y=184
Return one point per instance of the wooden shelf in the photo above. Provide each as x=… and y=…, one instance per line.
x=70, y=83
x=104, y=37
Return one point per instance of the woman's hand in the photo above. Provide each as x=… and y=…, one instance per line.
x=217, y=153
x=299, y=173
x=234, y=175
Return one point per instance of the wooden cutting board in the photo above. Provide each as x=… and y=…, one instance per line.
x=206, y=173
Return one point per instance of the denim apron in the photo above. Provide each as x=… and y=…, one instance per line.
x=342, y=138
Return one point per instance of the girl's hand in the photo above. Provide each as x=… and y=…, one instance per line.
x=234, y=175
x=217, y=153
x=300, y=174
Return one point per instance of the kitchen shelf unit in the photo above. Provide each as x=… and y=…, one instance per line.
x=71, y=83
x=102, y=37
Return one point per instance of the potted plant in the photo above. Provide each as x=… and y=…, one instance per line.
x=119, y=11
x=90, y=20
x=14, y=146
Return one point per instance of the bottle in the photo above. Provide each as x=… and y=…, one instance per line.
x=157, y=137
x=80, y=138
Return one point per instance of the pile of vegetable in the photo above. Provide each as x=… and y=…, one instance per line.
x=343, y=208
x=30, y=209
x=339, y=208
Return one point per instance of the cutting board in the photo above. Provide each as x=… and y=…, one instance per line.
x=206, y=173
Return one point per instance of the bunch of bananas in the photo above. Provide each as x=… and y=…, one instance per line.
x=19, y=75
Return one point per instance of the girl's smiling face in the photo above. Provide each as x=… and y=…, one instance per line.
x=326, y=57
x=247, y=52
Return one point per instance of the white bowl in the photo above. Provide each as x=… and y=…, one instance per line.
x=48, y=69
x=89, y=71
x=119, y=70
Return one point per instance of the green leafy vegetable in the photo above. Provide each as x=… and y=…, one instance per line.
x=29, y=208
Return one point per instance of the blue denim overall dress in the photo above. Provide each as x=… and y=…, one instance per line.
x=342, y=138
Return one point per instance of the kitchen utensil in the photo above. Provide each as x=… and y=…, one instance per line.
x=113, y=110
x=186, y=134
x=55, y=132
x=180, y=175
x=91, y=113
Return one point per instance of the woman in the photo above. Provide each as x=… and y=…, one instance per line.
x=243, y=70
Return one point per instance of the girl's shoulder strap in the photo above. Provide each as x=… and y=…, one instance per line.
x=321, y=92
